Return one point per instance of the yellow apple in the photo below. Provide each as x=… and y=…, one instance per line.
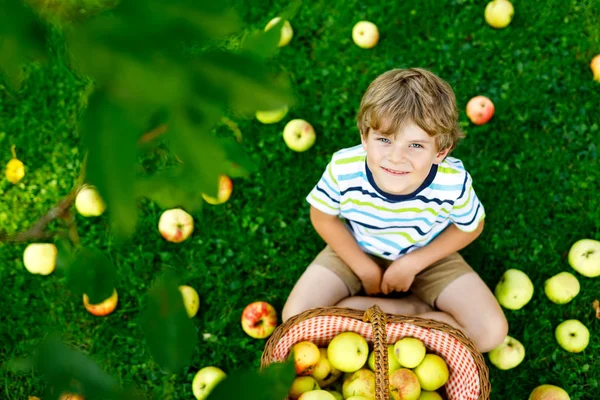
x=549, y=392
x=562, y=288
x=337, y=395
x=259, y=319
x=88, y=202
x=404, y=385
x=514, y=289
x=316, y=395
x=205, y=381
x=508, y=354
x=15, y=169
x=272, y=116
x=392, y=361
x=71, y=396
x=40, y=258
x=323, y=372
x=499, y=13
x=595, y=66
x=365, y=34
x=302, y=384
x=572, y=335
x=360, y=383
x=584, y=257
x=286, y=31
x=299, y=135
x=429, y=396
x=348, y=351
x=225, y=189
x=103, y=308
x=306, y=356
x=175, y=225
x=359, y=398
x=191, y=300
x=409, y=352
x=432, y=372
x=480, y=110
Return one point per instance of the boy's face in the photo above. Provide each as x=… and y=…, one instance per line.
x=401, y=162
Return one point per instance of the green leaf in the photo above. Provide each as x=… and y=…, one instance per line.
x=272, y=383
x=169, y=333
x=172, y=188
x=291, y=10
x=110, y=138
x=240, y=164
x=92, y=273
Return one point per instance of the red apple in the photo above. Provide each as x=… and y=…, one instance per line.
x=259, y=319
x=175, y=225
x=480, y=109
x=225, y=189
x=71, y=396
x=103, y=308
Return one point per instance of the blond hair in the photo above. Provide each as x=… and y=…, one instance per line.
x=415, y=95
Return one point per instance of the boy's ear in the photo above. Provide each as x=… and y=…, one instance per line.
x=441, y=155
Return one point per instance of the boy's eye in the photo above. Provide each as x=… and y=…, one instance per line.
x=384, y=140
x=416, y=145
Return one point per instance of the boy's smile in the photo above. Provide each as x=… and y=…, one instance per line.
x=401, y=162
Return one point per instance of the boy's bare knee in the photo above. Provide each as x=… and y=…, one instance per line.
x=491, y=334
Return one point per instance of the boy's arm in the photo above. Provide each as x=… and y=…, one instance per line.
x=449, y=241
x=336, y=234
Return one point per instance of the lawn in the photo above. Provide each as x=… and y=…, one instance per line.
x=535, y=168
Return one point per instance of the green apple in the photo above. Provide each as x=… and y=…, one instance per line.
x=572, y=335
x=303, y=384
x=549, y=392
x=205, y=381
x=429, y=396
x=299, y=135
x=562, y=288
x=392, y=362
x=323, y=373
x=359, y=398
x=360, y=383
x=316, y=395
x=286, y=31
x=404, y=385
x=499, y=13
x=409, y=352
x=432, y=372
x=348, y=352
x=272, y=116
x=191, y=300
x=365, y=34
x=508, y=354
x=514, y=289
x=40, y=258
x=88, y=202
x=337, y=395
x=584, y=257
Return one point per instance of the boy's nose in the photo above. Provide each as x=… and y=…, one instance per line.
x=397, y=155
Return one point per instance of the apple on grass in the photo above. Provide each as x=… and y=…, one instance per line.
x=40, y=258
x=299, y=135
x=409, y=352
x=595, y=66
x=306, y=356
x=286, y=31
x=365, y=34
x=272, y=116
x=175, y=225
x=316, y=395
x=514, y=289
x=302, y=384
x=191, y=300
x=404, y=385
x=429, y=396
x=572, y=335
x=584, y=257
x=259, y=319
x=224, y=193
x=549, y=392
x=71, y=396
x=88, y=202
x=205, y=381
x=499, y=13
x=360, y=383
x=392, y=362
x=562, y=288
x=480, y=110
x=348, y=351
x=103, y=308
x=507, y=355
x=432, y=372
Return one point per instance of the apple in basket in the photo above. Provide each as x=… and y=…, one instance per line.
x=302, y=384
x=409, y=352
x=348, y=351
x=429, y=396
x=323, y=372
x=306, y=356
x=404, y=385
x=392, y=361
x=432, y=372
x=360, y=383
x=317, y=395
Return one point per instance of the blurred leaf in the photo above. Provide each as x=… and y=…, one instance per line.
x=169, y=332
x=263, y=44
x=92, y=273
x=172, y=188
x=66, y=253
x=291, y=10
x=272, y=383
x=110, y=138
x=240, y=164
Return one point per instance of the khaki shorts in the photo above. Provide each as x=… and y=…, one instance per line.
x=428, y=284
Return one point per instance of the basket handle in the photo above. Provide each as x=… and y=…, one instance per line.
x=378, y=321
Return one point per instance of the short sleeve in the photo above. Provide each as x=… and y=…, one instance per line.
x=325, y=196
x=467, y=211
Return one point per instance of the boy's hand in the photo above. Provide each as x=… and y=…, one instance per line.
x=371, y=279
x=400, y=275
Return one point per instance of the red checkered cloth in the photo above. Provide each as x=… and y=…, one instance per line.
x=463, y=383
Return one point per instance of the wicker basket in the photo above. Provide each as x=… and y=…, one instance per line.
x=468, y=379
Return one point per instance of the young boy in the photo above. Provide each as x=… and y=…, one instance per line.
x=395, y=210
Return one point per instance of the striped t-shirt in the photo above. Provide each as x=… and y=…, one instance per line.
x=389, y=225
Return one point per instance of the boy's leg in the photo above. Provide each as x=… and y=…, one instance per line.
x=464, y=301
x=410, y=305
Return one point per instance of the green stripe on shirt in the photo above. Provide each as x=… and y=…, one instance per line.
x=349, y=160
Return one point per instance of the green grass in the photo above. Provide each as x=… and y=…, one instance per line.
x=535, y=168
